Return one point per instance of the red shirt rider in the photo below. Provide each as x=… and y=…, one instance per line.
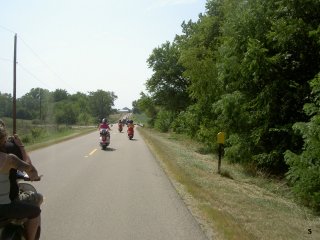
x=104, y=125
x=130, y=127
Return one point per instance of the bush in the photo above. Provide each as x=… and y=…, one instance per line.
x=304, y=171
x=272, y=163
x=26, y=139
x=36, y=132
x=304, y=174
x=36, y=121
x=164, y=120
x=187, y=122
x=207, y=135
x=238, y=149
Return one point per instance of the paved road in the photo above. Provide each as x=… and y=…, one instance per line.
x=117, y=194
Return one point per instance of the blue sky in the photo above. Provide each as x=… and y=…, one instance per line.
x=85, y=45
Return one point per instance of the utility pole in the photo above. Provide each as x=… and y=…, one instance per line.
x=40, y=104
x=14, y=108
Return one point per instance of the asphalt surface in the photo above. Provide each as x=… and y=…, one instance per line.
x=117, y=194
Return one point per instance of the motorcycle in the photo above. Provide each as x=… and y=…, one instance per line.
x=120, y=127
x=130, y=132
x=104, y=138
x=13, y=229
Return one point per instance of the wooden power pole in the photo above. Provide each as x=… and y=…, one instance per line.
x=14, y=108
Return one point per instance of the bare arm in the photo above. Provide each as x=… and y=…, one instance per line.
x=8, y=161
x=25, y=156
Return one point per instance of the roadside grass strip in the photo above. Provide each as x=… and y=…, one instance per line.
x=232, y=205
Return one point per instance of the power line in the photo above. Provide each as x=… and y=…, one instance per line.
x=5, y=59
x=45, y=64
x=7, y=29
x=31, y=74
x=11, y=31
x=38, y=57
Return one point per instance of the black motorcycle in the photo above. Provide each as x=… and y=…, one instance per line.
x=13, y=229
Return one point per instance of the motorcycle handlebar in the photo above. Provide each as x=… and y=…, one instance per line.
x=24, y=176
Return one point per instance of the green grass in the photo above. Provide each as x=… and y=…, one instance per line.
x=140, y=119
x=233, y=204
x=59, y=136
x=114, y=118
x=35, y=136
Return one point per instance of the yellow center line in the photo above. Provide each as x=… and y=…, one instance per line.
x=93, y=151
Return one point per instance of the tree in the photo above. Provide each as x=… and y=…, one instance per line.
x=65, y=113
x=28, y=106
x=59, y=95
x=101, y=103
x=59, y=106
x=247, y=65
x=198, y=46
x=268, y=54
x=5, y=105
x=147, y=105
x=135, y=107
x=304, y=172
x=81, y=102
x=34, y=105
x=167, y=86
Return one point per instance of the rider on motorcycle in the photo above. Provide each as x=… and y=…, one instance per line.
x=130, y=129
x=104, y=125
x=120, y=125
x=130, y=124
x=14, y=205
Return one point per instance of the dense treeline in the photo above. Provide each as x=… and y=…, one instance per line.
x=249, y=68
x=59, y=107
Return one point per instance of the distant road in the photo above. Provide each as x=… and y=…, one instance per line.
x=118, y=194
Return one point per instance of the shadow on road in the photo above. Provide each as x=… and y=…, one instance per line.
x=109, y=149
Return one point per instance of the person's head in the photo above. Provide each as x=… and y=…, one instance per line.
x=3, y=134
x=2, y=123
x=104, y=120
